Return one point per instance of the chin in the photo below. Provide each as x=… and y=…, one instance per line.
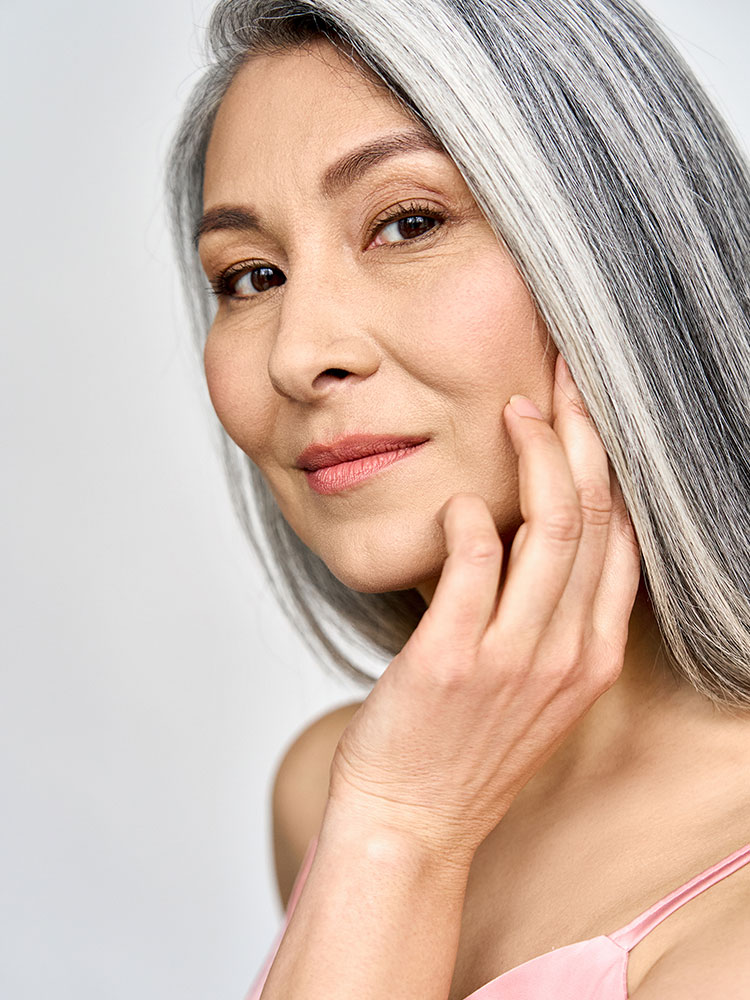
x=383, y=580
x=374, y=568
x=379, y=584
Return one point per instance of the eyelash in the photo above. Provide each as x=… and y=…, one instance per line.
x=223, y=284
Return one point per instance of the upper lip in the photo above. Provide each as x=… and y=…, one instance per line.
x=346, y=449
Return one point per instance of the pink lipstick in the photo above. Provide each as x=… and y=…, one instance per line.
x=348, y=461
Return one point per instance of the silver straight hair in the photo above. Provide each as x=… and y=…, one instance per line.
x=624, y=199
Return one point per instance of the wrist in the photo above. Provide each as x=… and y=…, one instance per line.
x=393, y=840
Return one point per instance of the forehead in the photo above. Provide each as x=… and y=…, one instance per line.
x=292, y=110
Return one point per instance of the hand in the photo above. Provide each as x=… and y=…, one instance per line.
x=492, y=680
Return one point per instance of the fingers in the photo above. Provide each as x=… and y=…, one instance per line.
x=590, y=470
x=464, y=598
x=606, y=573
x=538, y=573
x=588, y=582
x=575, y=558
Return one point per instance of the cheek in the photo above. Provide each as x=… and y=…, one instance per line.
x=231, y=377
x=222, y=379
x=481, y=317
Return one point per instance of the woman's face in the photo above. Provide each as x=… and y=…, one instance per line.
x=333, y=321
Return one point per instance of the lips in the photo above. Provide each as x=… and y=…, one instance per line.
x=348, y=449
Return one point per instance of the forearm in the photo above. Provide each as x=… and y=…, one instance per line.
x=379, y=917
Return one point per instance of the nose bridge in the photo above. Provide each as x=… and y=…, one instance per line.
x=322, y=333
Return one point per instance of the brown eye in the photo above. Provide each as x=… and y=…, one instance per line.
x=409, y=227
x=415, y=225
x=408, y=223
x=259, y=279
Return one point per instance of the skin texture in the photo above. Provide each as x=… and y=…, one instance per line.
x=434, y=334
x=532, y=653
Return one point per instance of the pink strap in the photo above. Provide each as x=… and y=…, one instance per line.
x=301, y=878
x=258, y=983
x=629, y=936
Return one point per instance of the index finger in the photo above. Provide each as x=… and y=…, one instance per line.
x=537, y=577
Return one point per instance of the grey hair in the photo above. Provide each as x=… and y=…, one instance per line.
x=624, y=199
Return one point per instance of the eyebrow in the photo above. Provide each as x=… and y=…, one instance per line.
x=339, y=176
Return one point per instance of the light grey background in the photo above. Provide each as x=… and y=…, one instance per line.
x=150, y=685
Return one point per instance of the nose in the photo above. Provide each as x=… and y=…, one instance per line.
x=323, y=337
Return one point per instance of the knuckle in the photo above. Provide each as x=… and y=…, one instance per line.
x=451, y=673
x=607, y=656
x=560, y=672
x=481, y=549
x=563, y=524
x=595, y=501
x=608, y=670
x=575, y=660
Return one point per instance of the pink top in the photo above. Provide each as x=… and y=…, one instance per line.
x=595, y=969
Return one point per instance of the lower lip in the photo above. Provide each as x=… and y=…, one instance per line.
x=335, y=478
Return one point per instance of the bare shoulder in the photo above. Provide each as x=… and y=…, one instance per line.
x=713, y=958
x=300, y=792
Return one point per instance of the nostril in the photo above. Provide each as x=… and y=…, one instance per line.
x=329, y=376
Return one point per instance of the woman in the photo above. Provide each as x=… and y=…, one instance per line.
x=413, y=215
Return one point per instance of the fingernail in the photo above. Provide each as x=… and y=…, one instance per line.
x=524, y=407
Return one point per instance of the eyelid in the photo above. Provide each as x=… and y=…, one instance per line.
x=404, y=210
x=220, y=283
